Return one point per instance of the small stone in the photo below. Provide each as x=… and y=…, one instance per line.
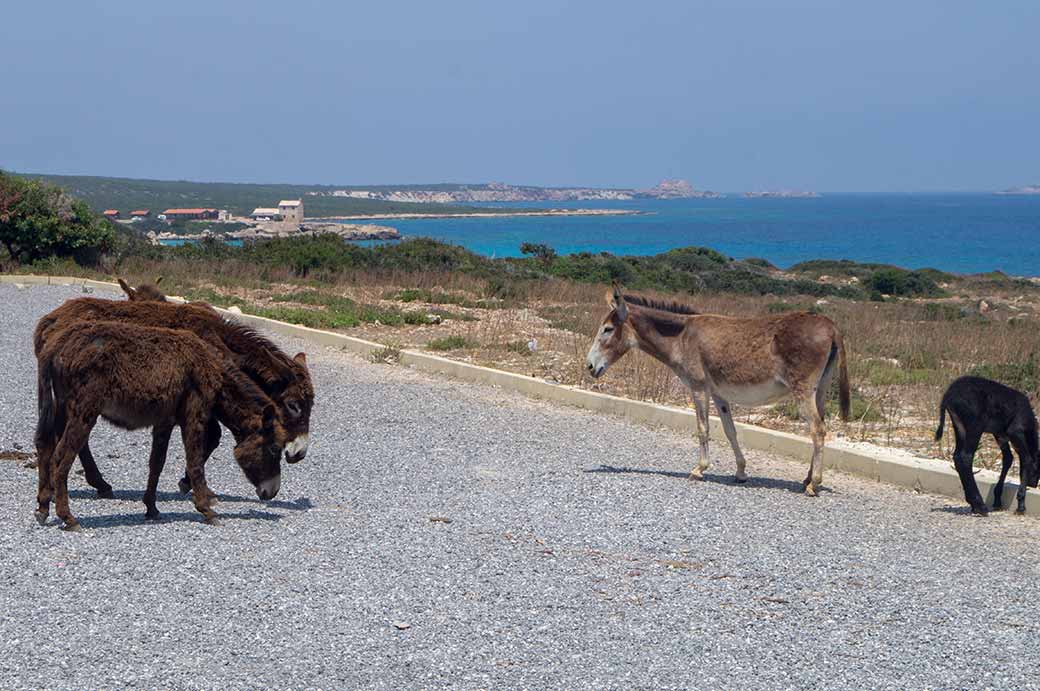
x=234, y=309
x=402, y=625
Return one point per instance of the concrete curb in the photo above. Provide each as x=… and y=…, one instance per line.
x=922, y=475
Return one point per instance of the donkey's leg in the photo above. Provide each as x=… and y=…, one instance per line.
x=212, y=442
x=818, y=432
x=91, y=473
x=47, y=439
x=731, y=434
x=77, y=431
x=156, y=461
x=1008, y=459
x=700, y=403
x=963, y=455
x=193, y=431
x=1022, y=451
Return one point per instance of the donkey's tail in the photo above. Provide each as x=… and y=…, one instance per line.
x=844, y=395
x=44, y=403
x=942, y=420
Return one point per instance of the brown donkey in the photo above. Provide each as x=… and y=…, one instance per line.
x=146, y=292
x=286, y=380
x=138, y=376
x=727, y=359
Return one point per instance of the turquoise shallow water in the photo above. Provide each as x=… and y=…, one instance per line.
x=955, y=232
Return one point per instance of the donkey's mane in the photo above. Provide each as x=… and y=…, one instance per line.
x=663, y=305
x=257, y=342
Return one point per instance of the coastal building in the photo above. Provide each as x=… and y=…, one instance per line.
x=288, y=211
x=263, y=213
x=190, y=214
x=140, y=214
x=291, y=210
x=111, y=214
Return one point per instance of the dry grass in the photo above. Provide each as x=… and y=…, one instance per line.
x=902, y=353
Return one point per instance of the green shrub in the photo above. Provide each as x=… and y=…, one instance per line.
x=1024, y=376
x=450, y=343
x=901, y=282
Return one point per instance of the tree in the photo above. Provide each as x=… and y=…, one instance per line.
x=543, y=252
x=39, y=220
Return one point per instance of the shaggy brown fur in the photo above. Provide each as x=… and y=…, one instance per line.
x=139, y=376
x=747, y=361
x=146, y=292
x=286, y=380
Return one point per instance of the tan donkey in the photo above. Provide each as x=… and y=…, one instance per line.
x=748, y=361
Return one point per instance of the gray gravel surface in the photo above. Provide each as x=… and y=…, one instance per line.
x=573, y=554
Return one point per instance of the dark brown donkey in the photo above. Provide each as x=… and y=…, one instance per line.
x=285, y=380
x=731, y=360
x=140, y=376
x=146, y=292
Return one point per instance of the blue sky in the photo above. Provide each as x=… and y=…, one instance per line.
x=829, y=96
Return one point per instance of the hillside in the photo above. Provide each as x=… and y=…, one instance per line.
x=127, y=194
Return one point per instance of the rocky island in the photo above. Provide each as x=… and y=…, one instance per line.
x=781, y=194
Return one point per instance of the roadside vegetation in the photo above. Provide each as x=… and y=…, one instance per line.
x=909, y=332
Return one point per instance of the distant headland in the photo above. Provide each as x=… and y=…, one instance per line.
x=503, y=192
x=1026, y=189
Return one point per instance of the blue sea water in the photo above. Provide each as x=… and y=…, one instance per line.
x=966, y=233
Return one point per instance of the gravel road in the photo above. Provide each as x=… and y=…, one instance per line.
x=444, y=535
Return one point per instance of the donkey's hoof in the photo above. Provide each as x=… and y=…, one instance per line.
x=184, y=486
x=1020, y=510
x=41, y=517
x=810, y=490
x=152, y=515
x=979, y=511
x=696, y=475
x=740, y=479
x=105, y=492
x=71, y=526
x=212, y=520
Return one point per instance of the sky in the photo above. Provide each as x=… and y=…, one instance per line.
x=730, y=95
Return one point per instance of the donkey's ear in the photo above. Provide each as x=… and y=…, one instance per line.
x=158, y=280
x=300, y=358
x=126, y=289
x=269, y=416
x=619, y=302
x=609, y=297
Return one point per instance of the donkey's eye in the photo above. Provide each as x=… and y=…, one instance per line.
x=607, y=329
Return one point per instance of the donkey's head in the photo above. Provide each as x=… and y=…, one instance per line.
x=296, y=402
x=146, y=292
x=259, y=453
x=614, y=337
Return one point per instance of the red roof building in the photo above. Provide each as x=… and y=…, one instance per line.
x=111, y=213
x=141, y=213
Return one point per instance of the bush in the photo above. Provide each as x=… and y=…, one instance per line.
x=1024, y=376
x=543, y=252
x=901, y=282
x=39, y=220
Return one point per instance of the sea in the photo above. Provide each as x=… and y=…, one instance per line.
x=963, y=233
